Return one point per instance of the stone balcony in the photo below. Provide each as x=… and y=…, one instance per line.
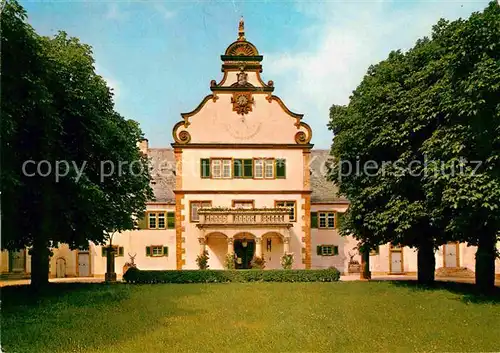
x=244, y=217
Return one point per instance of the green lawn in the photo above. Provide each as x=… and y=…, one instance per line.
x=249, y=317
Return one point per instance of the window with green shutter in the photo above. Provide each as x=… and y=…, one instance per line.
x=314, y=219
x=205, y=168
x=156, y=250
x=327, y=250
x=238, y=168
x=103, y=251
x=248, y=168
x=170, y=220
x=280, y=168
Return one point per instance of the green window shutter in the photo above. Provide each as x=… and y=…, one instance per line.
x=170, y=220
x=340, y=219
x=120, y=251
x=205, y=168
x=142, y=221
x=314, y=219
x=318, y=250
x=248, y=168
x=148, y=251
x=335, y=250
x=165, y=251
x=238, y=168
x=281, y=168
x=103, y=251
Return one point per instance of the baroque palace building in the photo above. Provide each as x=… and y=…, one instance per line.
x=241, y=178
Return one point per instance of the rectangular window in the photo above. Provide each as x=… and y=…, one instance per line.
x=226, y=168
x=281, y=168
x=259, y=168
x=158, y=220
x=331, y=220
x=326, y=219
x=269, y=168
x=288, y=204
x=195, y=206
x=243, y=168
x=205, y=168
x=248, y=168
x=161, y=220
x=238, y=168
x=156, y=250
x=243, y=204
x=152, y=220
x=170, y=220
x=216, y=168
x=327, y=250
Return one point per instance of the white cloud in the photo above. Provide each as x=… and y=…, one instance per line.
x=111, y=82
x=163, y=11
x=350, y=37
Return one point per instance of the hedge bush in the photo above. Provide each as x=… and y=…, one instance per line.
x=134, y=275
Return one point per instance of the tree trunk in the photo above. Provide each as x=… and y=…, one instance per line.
x=426, y=263
x=40, y=252
x=365, y=264
x=110, y=275
x=40, y=256
x=485, y=262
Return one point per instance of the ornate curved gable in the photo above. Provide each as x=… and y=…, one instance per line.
x=242, y=108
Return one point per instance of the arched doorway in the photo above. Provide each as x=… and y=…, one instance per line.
x=61, y=268
x=216, y=245
x=244, y=250
x=273, y=249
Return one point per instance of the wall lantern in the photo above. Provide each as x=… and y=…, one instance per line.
x=269, y=242
x=244, y=243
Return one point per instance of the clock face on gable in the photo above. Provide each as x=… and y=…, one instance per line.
x=242, y=102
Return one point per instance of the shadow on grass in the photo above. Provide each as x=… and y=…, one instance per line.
x=91, y=315
x=82, y=294
x=468, y=291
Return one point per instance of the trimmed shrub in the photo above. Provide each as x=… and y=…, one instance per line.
x=134, y=275
x=202, y=260
x=287, y=261
x=229, y=262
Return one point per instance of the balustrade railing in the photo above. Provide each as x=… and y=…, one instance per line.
x=209, y=216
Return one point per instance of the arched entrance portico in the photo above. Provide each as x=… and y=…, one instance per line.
x=216, y=245
x=244, y=250
x=273, y=248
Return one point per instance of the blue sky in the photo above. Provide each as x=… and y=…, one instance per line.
x=159, y=56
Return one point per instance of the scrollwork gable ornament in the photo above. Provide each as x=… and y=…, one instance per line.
x=242, y=102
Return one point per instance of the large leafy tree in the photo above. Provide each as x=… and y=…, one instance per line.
x=376, y=139
x=438, y=101
x=55, y=108
x=465, y=198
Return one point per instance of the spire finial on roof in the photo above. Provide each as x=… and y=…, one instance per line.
x=241, y=29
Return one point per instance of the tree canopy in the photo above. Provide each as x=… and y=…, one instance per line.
x=58, y=116
x=414, y=117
